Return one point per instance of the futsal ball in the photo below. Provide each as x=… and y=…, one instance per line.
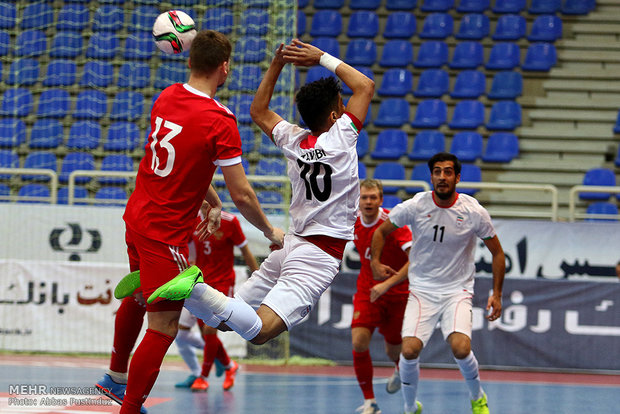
x=174, y=31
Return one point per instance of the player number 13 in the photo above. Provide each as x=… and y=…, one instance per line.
x=165, y=144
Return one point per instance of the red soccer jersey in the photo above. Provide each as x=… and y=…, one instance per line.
x=215, y=256
x=393, y=253
x=191, y=135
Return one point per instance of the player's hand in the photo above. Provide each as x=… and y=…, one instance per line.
x=211, y=223
x=276, y=237
x=377, y=290
x=494, y=308
x=279, y=56
x=381, y=271
x=301, y=54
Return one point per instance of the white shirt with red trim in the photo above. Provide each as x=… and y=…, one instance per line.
x=441, y=259
x=324, y=177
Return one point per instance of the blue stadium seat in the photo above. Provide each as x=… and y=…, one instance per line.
x=577, y=7
x=5, y=42
x=419, y=173
x=437, y=26
x=270, y=166
x=289, y=79
x=426, y=144
x=468, y=114
x=283, y=106
x=76, y=161
x=506, y=85
x=504, y=56
x=32, y=194
x=132, y=75
x=302, y=3
x=544, y=6
x=361, y=170
x=271, y=201
x=84, y=135
x=473, y=6
x=139, y=45
x=24, y=72
x=317, y=72
x=365, y=4
x=601, y=208
x=509, y=27
x=467, y=55
x=97, y=73
x=301, y=23
x=8, y=159
x=115, y=162
x=30, y=43
x=469, y=84
x=90, y=104
x=46, y=134
x=473, y=26
x=328, y=4
x=169, y=73
x=245, y=78
x=60, y=72
x=266, y=147
x=240, y=106
x=102, y=45
x=470, y=173
x=363, y=143
x=41, y=160
x=396, y=82
x=617, y=126
x=111, y=196
x=327, y=44
x=598, y=177
x=431, y=113
x=66, y=44
x=391, y=144
x=142, y=18
x=108, y=18
x=436, y=5
x=220, y=19
x=12, y=132
x=248, y=138
x=401, y=4
x=432, y=54
x=389, y=170
x=8, y=15
x=74, y=17
x=433, y=83
x=366, y=71
x=37, y=15
x=79, y=192
x=540, y=57
x=326, y=23
x=250, y=49
x=467, y=146
x=508, y=6
x=255, y=21
x=505, y=115
x=127, y=106
x=396, y=53
x=361, y=52
x=546, y=28
x=363, y=23
x=390, y=200
x=16, y=102
x=501, y=147
x=400, y=25
x=122, y=136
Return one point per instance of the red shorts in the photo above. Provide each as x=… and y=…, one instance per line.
x=386, y=314
x=158, y=263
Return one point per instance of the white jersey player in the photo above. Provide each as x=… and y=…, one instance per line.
x=446, y=226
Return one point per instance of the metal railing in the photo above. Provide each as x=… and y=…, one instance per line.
x=573, y=197
x=53, y=184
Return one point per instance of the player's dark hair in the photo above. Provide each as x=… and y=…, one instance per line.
x=445, y=156
x=316, y=100
x=209, y=50
x=372, y=183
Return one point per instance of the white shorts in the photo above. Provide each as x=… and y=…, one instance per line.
x=424, y=310
x=291, y=280
x=187, y=319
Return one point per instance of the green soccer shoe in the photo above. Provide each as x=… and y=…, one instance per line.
x=180, y=287
x=127, y=285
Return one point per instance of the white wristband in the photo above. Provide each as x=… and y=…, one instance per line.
x=329, y=62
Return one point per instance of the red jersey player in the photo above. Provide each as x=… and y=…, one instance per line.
x=385, y=313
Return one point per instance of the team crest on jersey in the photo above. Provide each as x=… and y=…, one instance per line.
x=459, y=221
x=218, y=235
x=305, y=311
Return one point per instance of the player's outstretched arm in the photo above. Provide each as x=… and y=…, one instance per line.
x=211, y=210
x=498, y=266
x=265, y=118
x=380, y=271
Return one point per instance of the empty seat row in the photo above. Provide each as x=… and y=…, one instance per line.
x=40, y=193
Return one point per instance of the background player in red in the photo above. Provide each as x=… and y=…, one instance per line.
x=192, y=135
x=385, y=313
x=215, y=258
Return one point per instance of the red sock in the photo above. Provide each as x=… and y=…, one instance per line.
x=211, y=350
x=363, y=371
x=127, y=325
x=221, y=355
x=144, y=369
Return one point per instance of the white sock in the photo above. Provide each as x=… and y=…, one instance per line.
x=469, y=370
x=199, y=306
x=409, y=377
x=241, y=318
x=186, y=341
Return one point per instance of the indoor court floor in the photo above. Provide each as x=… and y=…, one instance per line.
x=26, y=380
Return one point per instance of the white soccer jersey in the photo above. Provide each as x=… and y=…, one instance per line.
x=324, y=177
x=442, y=257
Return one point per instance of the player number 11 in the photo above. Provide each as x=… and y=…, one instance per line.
x=440, y=230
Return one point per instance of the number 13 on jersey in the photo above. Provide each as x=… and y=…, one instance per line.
x=164, y=143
